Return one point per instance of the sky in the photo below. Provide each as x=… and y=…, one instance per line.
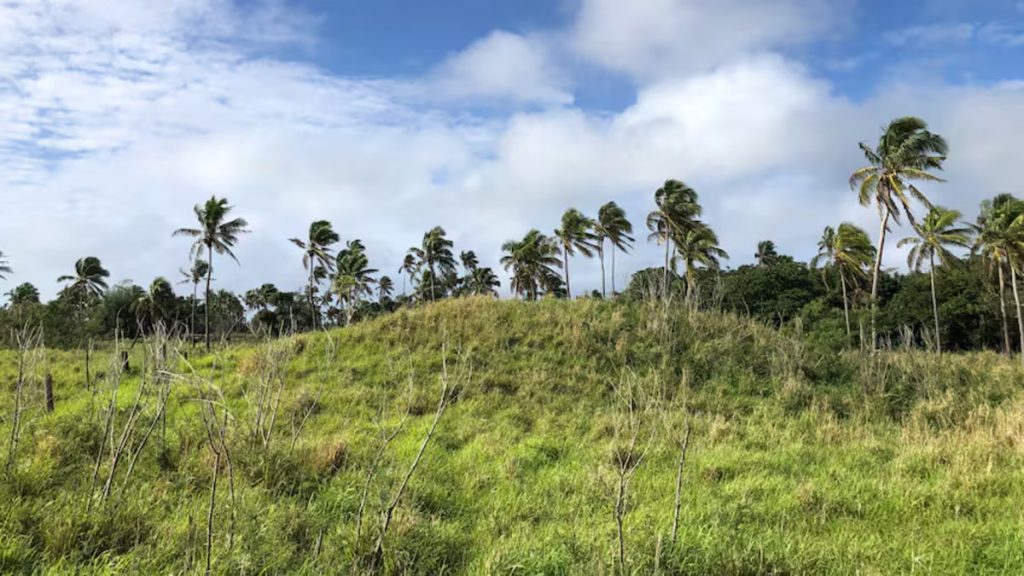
x=488, y=118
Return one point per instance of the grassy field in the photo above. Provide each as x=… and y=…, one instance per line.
x=798, y=462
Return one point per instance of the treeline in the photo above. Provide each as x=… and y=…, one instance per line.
x=962, y=291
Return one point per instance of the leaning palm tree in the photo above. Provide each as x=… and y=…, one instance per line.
x=316, y=253
x=906, y=151
x=5, y=267
x=697, y=247
x=766, y=254
x=849, y=252
x=612, y=225
x=215, y=234
x=483, y=282
x=575, y=235
x=532, y=262
x=156, y=306
x=935, y=233
x=385, y=287
x=194, y=276
x=353, y=277
x=676, y=214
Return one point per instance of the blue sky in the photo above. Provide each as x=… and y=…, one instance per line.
x=489, y=118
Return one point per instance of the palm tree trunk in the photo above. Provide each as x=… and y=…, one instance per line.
x=432, y=296
x=209, y=274
x=600, y=253
x=312, y=308
x=665, y=283
x=192, y=328
x=1002, y=310
x=874, y=277
x=846, y=307
x=1016, y=300
x=565, y=261
x=613, y=271
x=935, y=305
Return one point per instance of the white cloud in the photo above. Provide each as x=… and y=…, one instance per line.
x=656, y=38
x=503, y=66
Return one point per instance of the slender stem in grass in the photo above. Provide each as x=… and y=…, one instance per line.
x=209, y=515
x=683, y=446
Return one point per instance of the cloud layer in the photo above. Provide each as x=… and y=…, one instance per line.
x=115, y=119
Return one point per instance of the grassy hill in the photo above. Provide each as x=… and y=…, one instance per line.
x=798, y=462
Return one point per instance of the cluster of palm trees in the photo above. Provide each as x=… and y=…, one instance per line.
x=906, y=153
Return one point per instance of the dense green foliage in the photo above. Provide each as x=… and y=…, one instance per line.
x=799, y=462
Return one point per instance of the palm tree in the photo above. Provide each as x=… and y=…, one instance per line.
x=1000, y=240
x=575, y=234
x=89, y=279
x=156, y=306
x=849, y=252
x=409, y=267
x=194, y=276
x=697, y=247
x=353, y=277
x=937, y=231
x=482, y=282
x=612, y=225
x=436, y=252
x=260, y=299
x=532, y=262
x=316, y=253
x=766, y=254
x=385, y=287
x=5, y=267
x=676, y=214
x=906, y=151
x=215, y=234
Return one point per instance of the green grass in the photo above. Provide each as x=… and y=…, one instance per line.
x=799, y=463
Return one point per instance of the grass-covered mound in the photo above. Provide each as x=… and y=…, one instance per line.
x=798, y=462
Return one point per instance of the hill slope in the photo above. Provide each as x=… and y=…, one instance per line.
x=797, y=462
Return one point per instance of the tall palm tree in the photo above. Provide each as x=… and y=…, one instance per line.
x=676, y=214
x=436, y=252
x=89, y=279
x=156, y=306
x=5, y=267
x=194, y=276
x=385, y=287
x=1000, y=240
x=353, y=277
x=575, y=235
x=532, y=262
x=482, y=282
x=697, y=247
x=215, y=234
x=316, y=253
x=766, y=254
x=938, y=230
x=849, y=252
x=612, y=225
x=409, y=267
x=906, y=152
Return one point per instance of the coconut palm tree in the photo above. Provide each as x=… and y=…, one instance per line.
x=316, y=253
x=215, y=234
x=532, y=262
x=766, y=254
x=935, y=233
x=676, y=214
x=906, y=152
x=575, y=235
x=1000, y=240
x=385, y=287
x=697, y=247
x=849, y=252
x=194, y=276
x=156, y=306
x=5, y=267
x=353, y=277
x=89, y=280
x=612, y=225
x=436, y=253
x=409, y=267
x=482, y=282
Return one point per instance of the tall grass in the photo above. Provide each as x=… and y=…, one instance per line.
x=798, y=461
